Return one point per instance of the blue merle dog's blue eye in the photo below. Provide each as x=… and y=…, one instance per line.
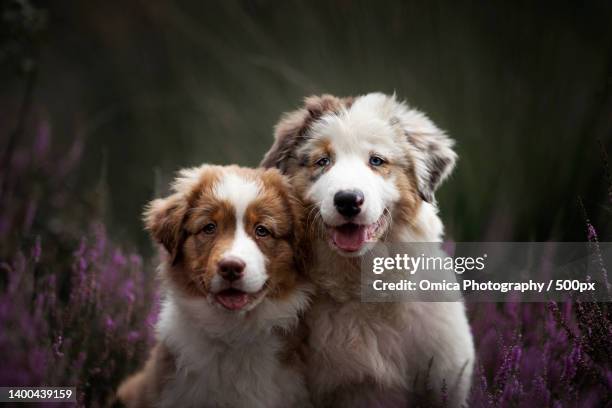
x=323, y=162
x=376, y=161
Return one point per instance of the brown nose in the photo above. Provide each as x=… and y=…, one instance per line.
x=231, y=268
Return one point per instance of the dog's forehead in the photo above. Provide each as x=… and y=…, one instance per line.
x=239, y=190
x=356, y=132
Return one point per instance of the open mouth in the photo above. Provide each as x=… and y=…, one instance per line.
x=235, y=299
x=351, y=237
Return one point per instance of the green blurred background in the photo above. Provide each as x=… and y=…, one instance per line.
x=153, y=86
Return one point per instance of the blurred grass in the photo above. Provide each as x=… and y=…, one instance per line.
x=524, y=88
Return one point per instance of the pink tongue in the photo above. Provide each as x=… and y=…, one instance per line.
x=349, y=237
x=233, y=299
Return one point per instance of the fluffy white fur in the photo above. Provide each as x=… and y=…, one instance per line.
x=385, y=354
x=375, y=354
x=226, y=360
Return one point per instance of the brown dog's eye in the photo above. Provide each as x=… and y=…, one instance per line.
x=323, y=162
x=209, y=228
x=261, y=231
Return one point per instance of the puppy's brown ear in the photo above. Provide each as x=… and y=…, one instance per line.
x=164, y=218
x=291, y=130
x=298, y=239
x=298, y=210
x=430, y=148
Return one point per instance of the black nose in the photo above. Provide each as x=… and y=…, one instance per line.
x=348, y=202
x=231, y=268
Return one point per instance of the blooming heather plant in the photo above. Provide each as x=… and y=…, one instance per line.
x=544, y=355
x=76, y=309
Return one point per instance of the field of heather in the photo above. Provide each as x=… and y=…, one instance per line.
x=99, y=105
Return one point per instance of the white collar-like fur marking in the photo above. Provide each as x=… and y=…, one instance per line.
x=209, y=322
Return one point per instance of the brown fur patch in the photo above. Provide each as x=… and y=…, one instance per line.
x=406, y=209
x=203, y=251
x=319, y=148
x=178, y=222
x=142, y=390
x=163, y=219
x=290, y=132
x=282, y=213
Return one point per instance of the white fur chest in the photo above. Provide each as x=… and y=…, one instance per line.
x=225, y=377
x=224, y=366
x=385, y=346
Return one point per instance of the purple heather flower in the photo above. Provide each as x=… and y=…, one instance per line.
x=128, y=291
x=591, y=233
x=87, y=319
x=109, y=323
x=133, y=336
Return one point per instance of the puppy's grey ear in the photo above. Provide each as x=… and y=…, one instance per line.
x=291, y=131
x=164, y=218
x=288, y=134
x=431, y=150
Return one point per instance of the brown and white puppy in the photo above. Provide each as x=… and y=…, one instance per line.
x=368, y=168
x=232, y=294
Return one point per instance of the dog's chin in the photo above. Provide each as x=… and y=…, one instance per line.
x=354, y=239
x=236, y=300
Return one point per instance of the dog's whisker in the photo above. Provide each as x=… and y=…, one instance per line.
x=388, y=221
x=314, y=220
x=312, y=214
